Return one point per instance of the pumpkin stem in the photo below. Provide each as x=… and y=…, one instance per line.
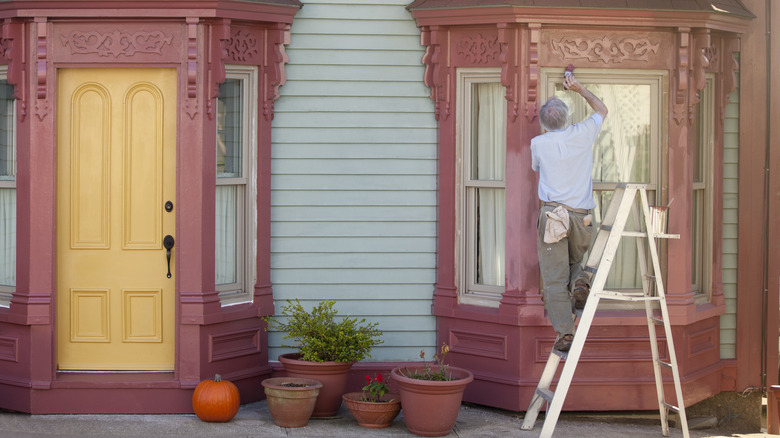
x=217, y=378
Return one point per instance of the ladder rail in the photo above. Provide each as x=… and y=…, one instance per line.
x=599, y=263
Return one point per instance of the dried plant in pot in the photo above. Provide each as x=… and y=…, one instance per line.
x=431, y=394
x=374, y=407
x=291, y=400
x=327, y=347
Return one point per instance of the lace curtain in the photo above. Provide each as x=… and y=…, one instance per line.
x=622, y=153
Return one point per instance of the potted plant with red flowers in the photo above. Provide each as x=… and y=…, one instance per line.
x=431, y=394
x=374, y=407
x=327, y=347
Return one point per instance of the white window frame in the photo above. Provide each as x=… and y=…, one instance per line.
x=701, y=241
x=6, y=291
x=469, y=291
x=658, y=82
x=246, y=246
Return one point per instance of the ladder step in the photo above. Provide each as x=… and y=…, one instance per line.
x=625, y=296
x=545, y=394
x=605, y=227
x=591, y=269
x=658, y=321
x=672, y=408
x=664, y=364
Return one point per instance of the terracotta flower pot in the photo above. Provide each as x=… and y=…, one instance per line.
x=375, y=415
x=291, y=400
x=431, y=407
x=333, y=376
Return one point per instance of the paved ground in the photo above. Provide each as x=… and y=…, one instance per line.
x=254, y=420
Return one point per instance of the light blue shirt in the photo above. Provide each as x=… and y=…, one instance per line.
x=564, y=160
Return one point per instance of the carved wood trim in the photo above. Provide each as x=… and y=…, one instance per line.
x=532, y=88
x=479, y=49
x=220, y=34
x=14, y=47
x=116, y=43
x=436, y=77
x=605, y=49
x=41, y=103
x=274, y=75
x=242, y=46
x=191, y=102
x=701, y=63
x=508, y=58
x=729, y=72
x=683, y=59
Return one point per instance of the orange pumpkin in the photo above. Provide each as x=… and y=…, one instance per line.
x=216, y=400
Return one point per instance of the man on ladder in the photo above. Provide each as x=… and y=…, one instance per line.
x=563, y=156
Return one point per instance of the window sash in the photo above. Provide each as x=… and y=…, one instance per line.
x=235, y=200
x=7, y=190
x=701, y=199
x=629, y=123
x=482, y=186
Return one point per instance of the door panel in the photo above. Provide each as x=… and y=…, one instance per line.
x=116, y=164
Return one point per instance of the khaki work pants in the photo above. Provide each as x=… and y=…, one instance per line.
x=561, y=265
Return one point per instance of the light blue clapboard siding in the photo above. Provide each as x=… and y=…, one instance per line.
x=354, y=172
x=728, y=321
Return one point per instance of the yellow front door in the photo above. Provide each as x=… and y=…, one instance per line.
x=116, y=170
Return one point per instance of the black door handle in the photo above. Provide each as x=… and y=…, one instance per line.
x=168, y=244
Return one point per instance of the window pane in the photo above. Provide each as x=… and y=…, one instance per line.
x=490, y=231
x=229, y=132
x=7, y=134
x=226, y=237
x=622, y=150
x=488, y=132
x=8, y=237
x=625, y=272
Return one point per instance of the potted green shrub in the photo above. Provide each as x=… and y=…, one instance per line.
x=327, y=347
x=431, y=394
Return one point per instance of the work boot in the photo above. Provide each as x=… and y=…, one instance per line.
x=563, y=343
x=580, y=294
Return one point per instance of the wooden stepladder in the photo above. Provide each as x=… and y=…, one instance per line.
x=599, y=263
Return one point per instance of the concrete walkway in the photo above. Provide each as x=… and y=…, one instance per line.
x=254, y=420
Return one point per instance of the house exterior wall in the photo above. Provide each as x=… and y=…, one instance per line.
x=759, y=200
x=354, y=173
x=728, y=321
x=210, y=338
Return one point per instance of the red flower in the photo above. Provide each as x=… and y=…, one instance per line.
x=379, y=377
x=368, y=379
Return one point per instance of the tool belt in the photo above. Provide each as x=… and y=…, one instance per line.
x=573, y=210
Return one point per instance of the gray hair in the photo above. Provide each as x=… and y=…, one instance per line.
x=554, y=114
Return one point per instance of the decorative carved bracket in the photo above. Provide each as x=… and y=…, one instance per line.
x=274, y=75
x=41, y=103
x=730, y=68
x=220, y=31
x=701, y=63
x=436, y=78
x=191, y=103
x=683, y=59
x=507, y=40
x=13, y=50
x=532, y=88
